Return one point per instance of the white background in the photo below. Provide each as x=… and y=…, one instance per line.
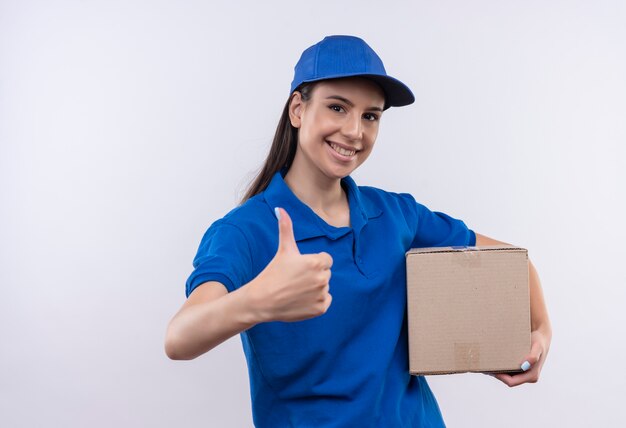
x=128, y=127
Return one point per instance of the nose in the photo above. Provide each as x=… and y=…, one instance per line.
x=353, y=127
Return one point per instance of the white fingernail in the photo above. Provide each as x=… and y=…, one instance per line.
x=525, y=365
x=277, y=213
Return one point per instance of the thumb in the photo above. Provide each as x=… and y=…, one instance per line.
x=286, y=240
x=533, y=357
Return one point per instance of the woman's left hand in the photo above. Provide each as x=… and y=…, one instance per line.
x=540, y=344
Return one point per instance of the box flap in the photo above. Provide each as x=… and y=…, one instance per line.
x=463, y=248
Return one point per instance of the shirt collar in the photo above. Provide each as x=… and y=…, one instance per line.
x=307, y=224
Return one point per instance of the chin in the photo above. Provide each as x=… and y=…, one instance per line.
x=339, y=173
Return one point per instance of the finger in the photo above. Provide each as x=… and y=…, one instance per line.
x=504, y=378
x=511, y=380
x=518, y=379
x=286, y=239
x=329, y=300
x=533, y=357
x=326, y=259
x=326, y=289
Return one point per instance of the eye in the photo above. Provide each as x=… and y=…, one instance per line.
x=337, y=108
x=370, y=116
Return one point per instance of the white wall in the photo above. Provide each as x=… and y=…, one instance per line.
x=127, y=127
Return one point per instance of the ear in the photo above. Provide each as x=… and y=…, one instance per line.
x=295, y=109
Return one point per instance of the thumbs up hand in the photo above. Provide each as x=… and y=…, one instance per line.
x=293, y=286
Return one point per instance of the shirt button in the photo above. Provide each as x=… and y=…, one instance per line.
x=360, y=260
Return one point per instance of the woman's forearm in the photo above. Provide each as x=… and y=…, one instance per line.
x=199, y=327
x=539, y=319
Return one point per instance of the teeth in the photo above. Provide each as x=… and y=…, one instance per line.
x=342, y=151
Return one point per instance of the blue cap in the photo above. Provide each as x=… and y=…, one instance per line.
x=349, y=56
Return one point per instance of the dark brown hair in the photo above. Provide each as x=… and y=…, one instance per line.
x=283, y=148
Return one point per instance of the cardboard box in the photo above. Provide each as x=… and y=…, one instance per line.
x=468, y=309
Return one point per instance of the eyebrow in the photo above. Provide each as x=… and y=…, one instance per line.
x=350, y=103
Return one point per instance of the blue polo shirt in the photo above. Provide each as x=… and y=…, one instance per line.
x=348, y=367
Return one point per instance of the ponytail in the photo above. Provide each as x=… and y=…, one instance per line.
x=283, y=148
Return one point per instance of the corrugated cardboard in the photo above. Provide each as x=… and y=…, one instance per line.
x=468, y=309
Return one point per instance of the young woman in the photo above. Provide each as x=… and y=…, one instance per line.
x=319, y=298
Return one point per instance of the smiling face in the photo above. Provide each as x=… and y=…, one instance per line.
x=337, y=126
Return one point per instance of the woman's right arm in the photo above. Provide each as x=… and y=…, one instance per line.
x=292, y=287
x=209, y=317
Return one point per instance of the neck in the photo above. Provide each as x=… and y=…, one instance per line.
x=322, y=194
x=316, y=192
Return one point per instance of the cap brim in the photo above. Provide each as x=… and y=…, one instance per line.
x=397, y=94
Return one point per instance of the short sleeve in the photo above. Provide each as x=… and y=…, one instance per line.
x=224, y=255
x=437, y=229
